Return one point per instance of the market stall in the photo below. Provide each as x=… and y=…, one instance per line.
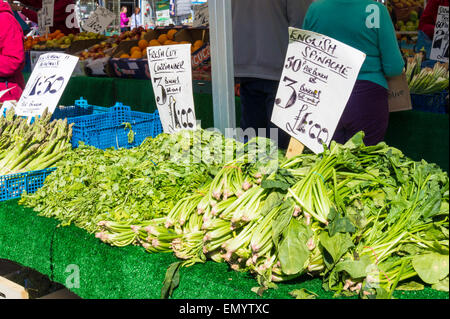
x=418, y=134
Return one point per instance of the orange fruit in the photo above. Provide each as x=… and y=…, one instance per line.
x=142, y=44
x=144, y=53
x=124, y=56
x=168, y=42
x=163, y=38
x=171, y=34
x=185, y=42
x=198, y=43
x=136, y=55
x=135, y=49
x=154, y=43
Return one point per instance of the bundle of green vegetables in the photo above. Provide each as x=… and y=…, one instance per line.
x=364, y=218
x=427, y=80
x=25, y=147
x=130, y=185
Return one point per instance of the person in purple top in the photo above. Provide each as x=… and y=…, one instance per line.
x=124, y=20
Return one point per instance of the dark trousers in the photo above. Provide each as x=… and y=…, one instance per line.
x=257, y=101
x=367, y=110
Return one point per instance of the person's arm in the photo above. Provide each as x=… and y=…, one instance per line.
x=30, y=14
x=12, y=56
x=133, y=21
x=296, y=10
x=428, y=19
x=391, y=57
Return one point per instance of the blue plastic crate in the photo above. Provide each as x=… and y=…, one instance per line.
x=434, y=103
x=107, y=130
x=81, y=108
x=13, y=185
x=428, y=64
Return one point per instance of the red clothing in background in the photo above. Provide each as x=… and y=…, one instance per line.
x=12, y=54
x=429, y=15
x=59, y=15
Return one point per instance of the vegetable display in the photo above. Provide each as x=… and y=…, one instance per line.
x=427, y=80
x=36, y=146
x=364, y=218
x=130, y=185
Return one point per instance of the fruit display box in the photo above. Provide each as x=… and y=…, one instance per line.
x=137, y=68
x=14, y=185
x=111, y=129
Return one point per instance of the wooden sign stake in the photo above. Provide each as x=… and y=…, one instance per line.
x=295, y=148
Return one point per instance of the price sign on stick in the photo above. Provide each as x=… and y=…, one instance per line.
x=41, y=22
x=318, y=77
x=47, y=11
x=171, y=76
x=439, y=48
x=201, y=15
x=99, y=20
x=46, y=84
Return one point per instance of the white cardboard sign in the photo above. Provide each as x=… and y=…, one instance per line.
x=46, y=84
x=439, y=48
x=171, y=76
x=99, y=20
x=47, y=12
x=201, y=15
x=317, y=80
x=41, y=22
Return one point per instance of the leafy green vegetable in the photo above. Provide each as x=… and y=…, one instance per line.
x=336, y=245
x=410, y=286
x=303, y=294
x=171, y=280
x=432, y=267
x=293, y=252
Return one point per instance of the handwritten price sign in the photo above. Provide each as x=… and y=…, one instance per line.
x=201, y=15
x=317, y=80
x=46, y=84
x=439, y=48
x=47, y=12
x=99, y=20
x=171, y=74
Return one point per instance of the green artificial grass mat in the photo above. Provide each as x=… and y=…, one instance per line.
x=108, y=272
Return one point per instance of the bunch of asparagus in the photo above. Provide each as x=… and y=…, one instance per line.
x=36, y=146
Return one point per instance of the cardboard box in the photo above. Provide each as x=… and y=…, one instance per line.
x=81, y=45
x=129, y=68
x=404, y=13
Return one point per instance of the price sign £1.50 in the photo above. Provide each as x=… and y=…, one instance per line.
x=46, y=84
x=317, y=80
